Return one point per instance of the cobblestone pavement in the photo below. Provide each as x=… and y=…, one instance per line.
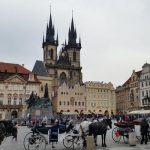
x=8, y=144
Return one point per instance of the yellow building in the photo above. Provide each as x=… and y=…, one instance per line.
x=70, y=99
x=100, y=97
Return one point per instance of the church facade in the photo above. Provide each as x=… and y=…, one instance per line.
x=63, y=69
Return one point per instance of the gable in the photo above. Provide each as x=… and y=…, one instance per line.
x=15, y=79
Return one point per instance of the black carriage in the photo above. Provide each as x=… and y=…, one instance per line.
x=123, y=129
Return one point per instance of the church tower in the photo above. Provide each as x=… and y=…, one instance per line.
x=73, y=47
x=50, y=44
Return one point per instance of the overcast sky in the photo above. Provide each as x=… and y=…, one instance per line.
x=115, y=34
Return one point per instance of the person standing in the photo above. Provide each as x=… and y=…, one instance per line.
x=144, y=131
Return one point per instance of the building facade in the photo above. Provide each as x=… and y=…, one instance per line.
x=145, y=86
x=16, y=85
x=100, y=97
x=134, y=91
x=70, y=99
x=63, y=69
x=122, y=98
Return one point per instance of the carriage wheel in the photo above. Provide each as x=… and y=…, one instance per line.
x=34, y=139
x=116, y=135
x=26, y=139
x=37, y=142
x=68, y=141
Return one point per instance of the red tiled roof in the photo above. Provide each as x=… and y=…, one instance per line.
x=13, y=68
x=8, y=69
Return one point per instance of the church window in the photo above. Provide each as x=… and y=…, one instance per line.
x=63, y=78
x=74, y=56
x=51, y=54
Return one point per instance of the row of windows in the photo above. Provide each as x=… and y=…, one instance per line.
x=66, y=93
x=12, y=102
x=145, y=93
x=146, y=84
x=97, y=90
x=64, y=103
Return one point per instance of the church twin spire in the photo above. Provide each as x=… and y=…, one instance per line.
x=72, y=35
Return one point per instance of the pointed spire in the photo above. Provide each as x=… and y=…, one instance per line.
x=57, y=38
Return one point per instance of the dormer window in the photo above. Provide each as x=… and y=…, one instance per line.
x=31, y=77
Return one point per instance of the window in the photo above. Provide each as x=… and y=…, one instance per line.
x=75, y=103
x=15, y=87
x=68, y=103
x=20, y=101
x=60, y=103
x=9, y=87
x=9, y=101
x=51, y=54
x=74, y=56
x=79, y=103
x=15, y=101
x=21, y=87
x=82, y=103
x=142, y=93
x=1, y=102
x=145, y=83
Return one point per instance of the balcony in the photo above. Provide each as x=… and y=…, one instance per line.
x=11, y=106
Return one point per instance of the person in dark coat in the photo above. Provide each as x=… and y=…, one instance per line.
x=144, y=131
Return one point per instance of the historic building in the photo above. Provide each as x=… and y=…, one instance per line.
x=68, y=93
x=16, y=85
x=122, y=98
x=44, y=78
x=145, y=86
x=70, y=99
x=134, y=91
x=59, y=69
x=100, y=97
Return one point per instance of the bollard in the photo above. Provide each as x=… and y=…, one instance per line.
x=90, y=143
x=132, y=139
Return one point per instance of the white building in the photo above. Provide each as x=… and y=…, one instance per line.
x=145, y=86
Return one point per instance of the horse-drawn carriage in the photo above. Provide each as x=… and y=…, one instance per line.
x=122, y=129
x=40, y=137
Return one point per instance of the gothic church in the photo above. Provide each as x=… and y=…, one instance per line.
x=65, y=67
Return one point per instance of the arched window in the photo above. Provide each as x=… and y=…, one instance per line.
x=63, y=78
x=74, y=56
x=51, y=53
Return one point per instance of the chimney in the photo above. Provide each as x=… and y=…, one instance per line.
x=22, y=65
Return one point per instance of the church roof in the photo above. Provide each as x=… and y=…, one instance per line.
x=39, y=68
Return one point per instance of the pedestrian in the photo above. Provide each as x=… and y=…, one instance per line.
x=15, y=131
x=144, y=131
